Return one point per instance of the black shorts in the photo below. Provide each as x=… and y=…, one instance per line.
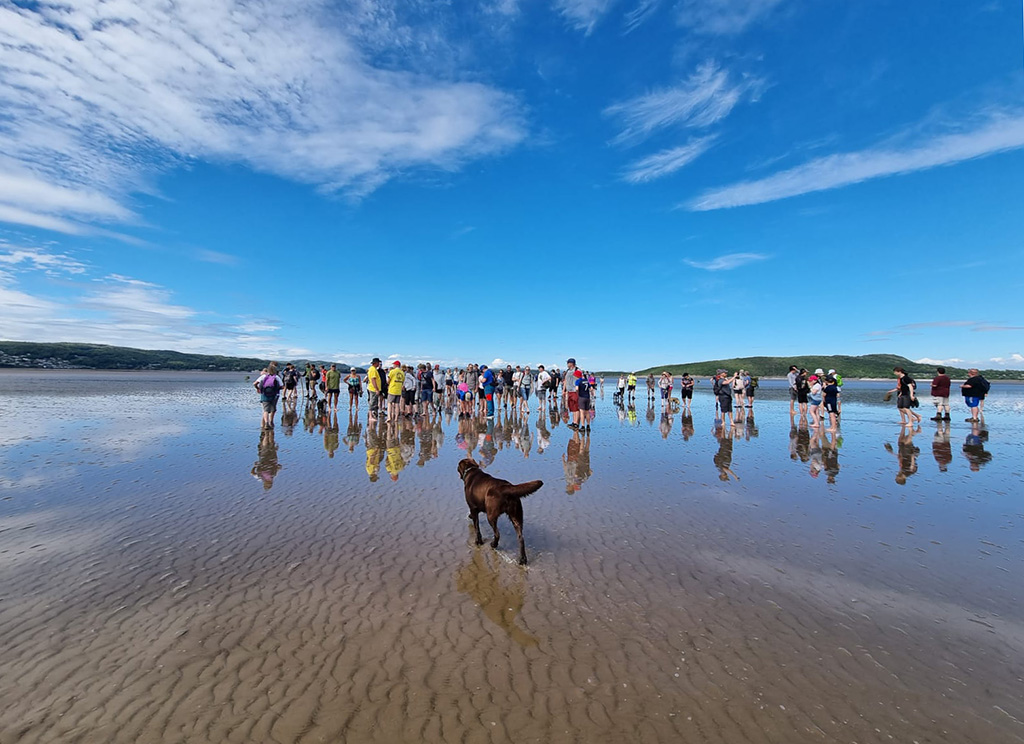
x=832, y=406
x=686, y=394
x=725, y=403
x=584, y=402
x=409, y=396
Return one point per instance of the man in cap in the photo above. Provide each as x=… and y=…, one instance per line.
x=373, y=387
x=572, y=400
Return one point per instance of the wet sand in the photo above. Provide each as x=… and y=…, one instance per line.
x=154, y=589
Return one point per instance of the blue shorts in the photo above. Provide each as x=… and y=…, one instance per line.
x=972, y=402
x=524, y=393
x=426, y=396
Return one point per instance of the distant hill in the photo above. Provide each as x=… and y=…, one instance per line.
x=869, y=365
x=98, y=356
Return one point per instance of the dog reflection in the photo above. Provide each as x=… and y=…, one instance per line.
x=501, y=601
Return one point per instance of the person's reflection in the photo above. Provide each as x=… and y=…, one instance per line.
x=830, y=454
x=620, y=410
x=750, y=430
x=942, y=448
x=267, y=466
x=906, y=453
x=686, y=425
x=331, y=430
x=799, y=439
x=650, y=415
x=723, y=458
x=374, y=447
x=814, y=453
x=974, y=447
x=525, y=438
x=480, y=579
x=488, y=450
x=394, y=463
x=543, y=435
x=631, y=415
x=289, y=417
x=665, y=426
x=355, y=430
x=570, y=463
x=309, y=418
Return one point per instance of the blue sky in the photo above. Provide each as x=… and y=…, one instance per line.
x=630, y=182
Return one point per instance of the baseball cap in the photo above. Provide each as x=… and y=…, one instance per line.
x=570, y=360
x=396, y=363
x=577, y=373
x=831, y=371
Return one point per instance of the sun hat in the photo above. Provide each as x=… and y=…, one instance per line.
x=819, y=371
x=375, y=360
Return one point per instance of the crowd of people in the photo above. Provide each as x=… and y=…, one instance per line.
x=406, y=405
x=407, y=391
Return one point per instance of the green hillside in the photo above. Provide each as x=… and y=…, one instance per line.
x=98, y=356
x=869, y=365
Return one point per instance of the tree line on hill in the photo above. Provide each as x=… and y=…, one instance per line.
x=850, y=367
x=27, y=354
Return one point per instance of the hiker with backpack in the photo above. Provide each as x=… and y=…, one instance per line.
x=269, y=386
x=974, y=390
x=722, y=388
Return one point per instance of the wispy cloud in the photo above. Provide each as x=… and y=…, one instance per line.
x=998, y=131
x=929, y=360
x=722, y=17
x=98, y=97
x=996, y=328
x=643, y=10
x=667, y=161
x=727, y=262
x=39, y=259
x=705, y=98
x=583, y=15
x=217, y=257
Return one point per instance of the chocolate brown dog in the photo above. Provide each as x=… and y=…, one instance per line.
x=485, y=493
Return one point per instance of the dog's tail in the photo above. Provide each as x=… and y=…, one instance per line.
x=523, y=489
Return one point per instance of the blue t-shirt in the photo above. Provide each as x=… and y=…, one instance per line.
x=583, y=387
x=488, y=377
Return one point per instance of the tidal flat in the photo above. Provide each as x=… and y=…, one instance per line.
x=171, y=573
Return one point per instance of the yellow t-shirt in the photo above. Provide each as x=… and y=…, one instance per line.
x=631, y=380
x=373, y=379
x=396, y=379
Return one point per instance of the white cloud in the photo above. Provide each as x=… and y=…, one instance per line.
x=998, y=132
x=99, y=96
x=722, y=17
x=217, y=257
x=583, y=15
x=22, y=259
x=667, y=162
x=930, y=361
x=643, y=10
x=705, y=98
x=727, y=262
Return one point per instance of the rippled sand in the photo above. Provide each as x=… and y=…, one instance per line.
x=154, y=590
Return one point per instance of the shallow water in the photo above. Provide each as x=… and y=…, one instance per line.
x=170, y=573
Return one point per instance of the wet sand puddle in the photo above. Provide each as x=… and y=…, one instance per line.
x=170, y=574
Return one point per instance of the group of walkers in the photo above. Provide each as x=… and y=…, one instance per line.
x=974, y=389
x=477, y=390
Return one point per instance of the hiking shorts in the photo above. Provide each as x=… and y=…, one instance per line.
x=574, y=402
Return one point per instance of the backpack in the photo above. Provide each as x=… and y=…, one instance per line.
x=269, y=386
x=314, y=374
x=985, y=385
x=718, y=388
